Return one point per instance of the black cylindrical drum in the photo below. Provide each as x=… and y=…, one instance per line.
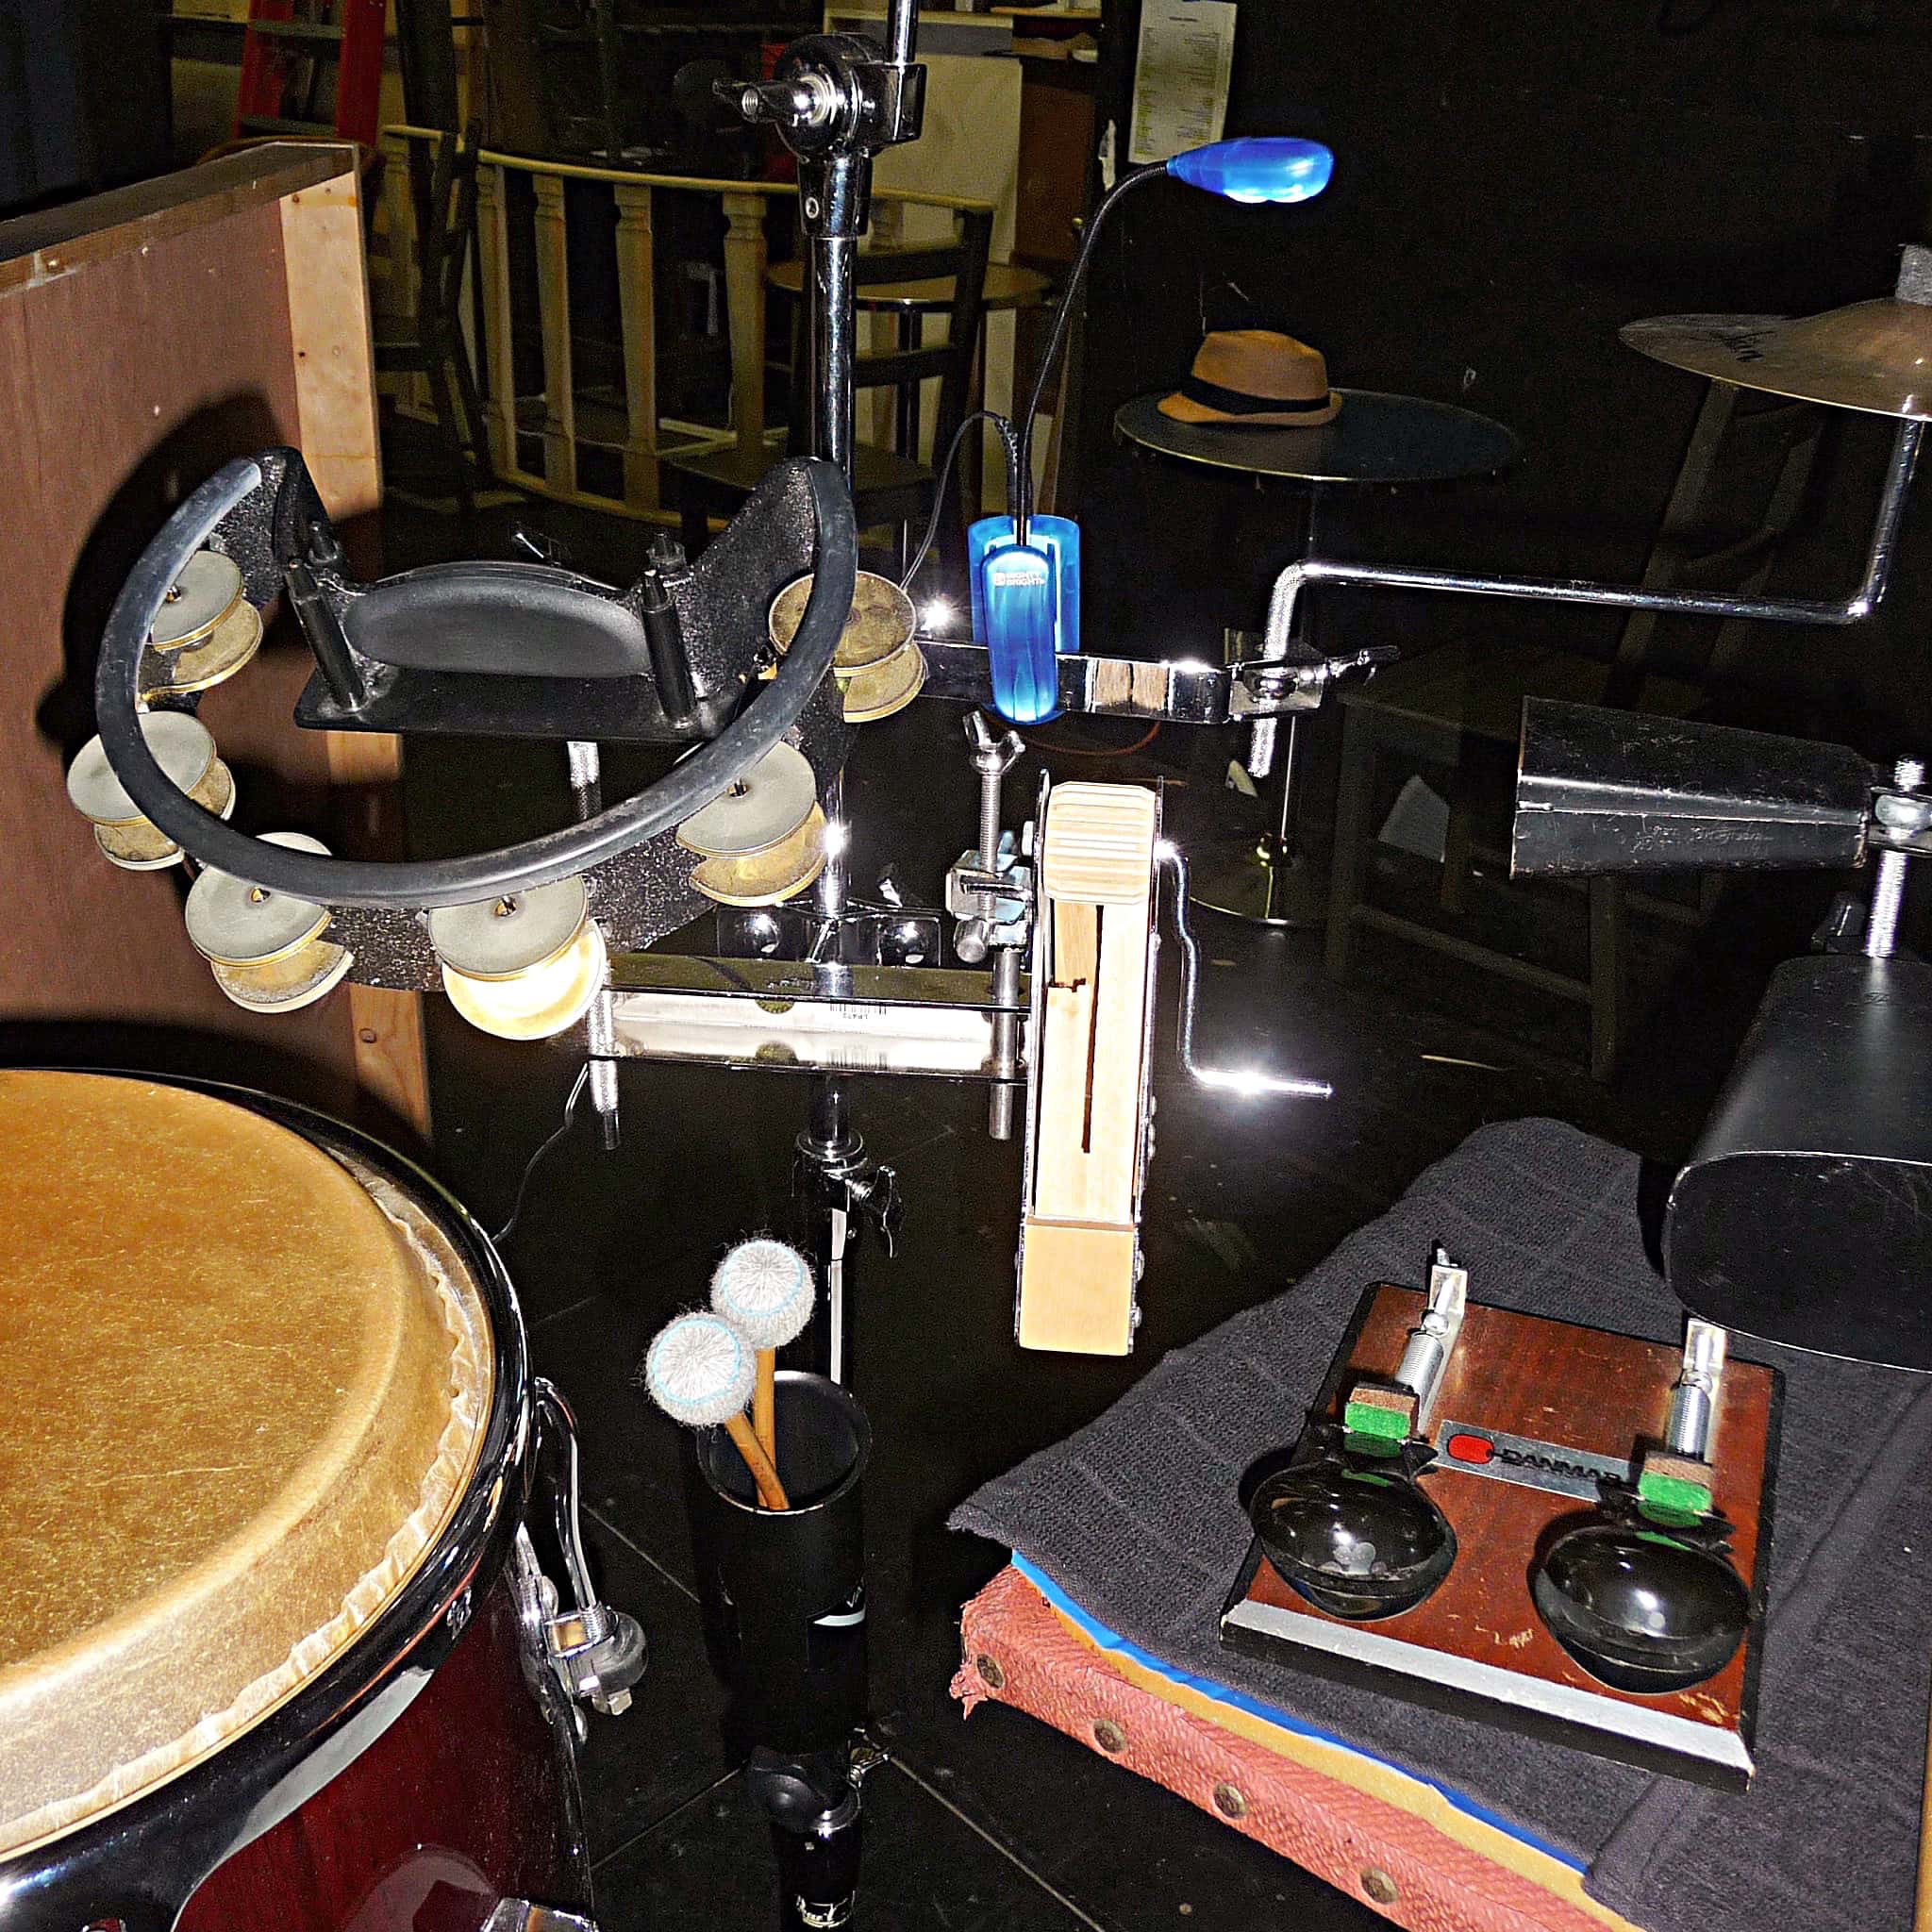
x=783, y=1590
x=1804, y=1212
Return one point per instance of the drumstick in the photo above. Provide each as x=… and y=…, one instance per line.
x=765, y=1289
x=700, y=1373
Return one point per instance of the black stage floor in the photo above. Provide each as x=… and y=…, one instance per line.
x=999, y=1821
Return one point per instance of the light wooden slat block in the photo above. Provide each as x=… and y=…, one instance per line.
x=637, y=301
x=744, y=313
x=1080, y=1241
x=553, y=304
x=1060, y=1171
x=1099, y=844
x=1076, y=1288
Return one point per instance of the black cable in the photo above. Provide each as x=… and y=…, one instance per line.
x=692, y=782
x=569, y=1114
x=945, y=476
x=1020, y=502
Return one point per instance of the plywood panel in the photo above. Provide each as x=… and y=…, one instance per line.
x=132, y=363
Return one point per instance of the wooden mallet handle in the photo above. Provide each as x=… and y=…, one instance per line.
x=764, y=1403
x=771, y=1490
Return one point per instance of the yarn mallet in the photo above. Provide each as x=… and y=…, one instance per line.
x=765, y=1290
x=700, y=1372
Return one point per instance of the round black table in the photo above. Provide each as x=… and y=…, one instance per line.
x=1373, y=438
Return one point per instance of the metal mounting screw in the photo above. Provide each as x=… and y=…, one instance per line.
x=1889, y=885
x=992, y=759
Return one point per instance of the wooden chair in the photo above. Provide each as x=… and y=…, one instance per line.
x=888, y=486
x=1461, y=706
x=443, y=193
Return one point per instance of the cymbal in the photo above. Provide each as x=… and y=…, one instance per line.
x=216, y=657
x=501, y=938
x=233, y=922
x=880, y=621
x=766, y=804
x=768, y=878
x=1872, y=356
x=888, y=686
x=208, y=588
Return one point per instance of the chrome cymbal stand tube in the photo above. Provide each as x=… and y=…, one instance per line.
x=836, y=101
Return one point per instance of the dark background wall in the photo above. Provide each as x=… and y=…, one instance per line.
x=1513, y=181
x=83, y=97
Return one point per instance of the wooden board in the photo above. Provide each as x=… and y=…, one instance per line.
x=1571, y=1389
x=145, y=338
x=1080, y=1238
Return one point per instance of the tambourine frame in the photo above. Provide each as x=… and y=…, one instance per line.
x=270, y=521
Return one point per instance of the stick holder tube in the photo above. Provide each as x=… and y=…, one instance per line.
x=783, y=1591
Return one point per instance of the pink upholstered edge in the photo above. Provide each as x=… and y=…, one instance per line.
x=1403, y=1867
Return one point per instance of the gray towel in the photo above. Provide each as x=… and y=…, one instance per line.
x=1136, y=1517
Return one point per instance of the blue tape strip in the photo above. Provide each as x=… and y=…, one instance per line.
x=1269, y=1713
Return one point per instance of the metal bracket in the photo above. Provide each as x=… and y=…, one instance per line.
x=860, y=936
x=1249, y=1083
x=520, y=1915
x=797, y=1016
x=1399, y=1410
x=1433, y=1340
x=596, y=1653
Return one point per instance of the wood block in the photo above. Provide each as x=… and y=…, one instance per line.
x=1099, y=844
x=1076, y=1288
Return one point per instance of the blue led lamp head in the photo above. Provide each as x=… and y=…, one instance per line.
x=1257, y=168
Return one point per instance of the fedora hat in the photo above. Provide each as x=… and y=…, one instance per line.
x=1254, y=377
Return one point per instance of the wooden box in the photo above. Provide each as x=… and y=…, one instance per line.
x=146, y=337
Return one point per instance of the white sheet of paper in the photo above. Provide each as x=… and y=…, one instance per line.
x=1180, y=77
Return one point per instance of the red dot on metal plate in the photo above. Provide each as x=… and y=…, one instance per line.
x=1463, y=1447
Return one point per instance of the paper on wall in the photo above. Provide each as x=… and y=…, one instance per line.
x=1181, y=74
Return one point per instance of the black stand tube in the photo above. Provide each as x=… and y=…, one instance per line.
x=783, y=1596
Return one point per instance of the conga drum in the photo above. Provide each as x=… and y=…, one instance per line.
x=276, y=1647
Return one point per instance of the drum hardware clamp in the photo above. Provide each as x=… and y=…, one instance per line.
x=1285, y=599
x=520, y=1915
x=596, y=1653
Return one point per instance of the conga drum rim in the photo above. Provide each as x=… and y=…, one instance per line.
x=174, y=1831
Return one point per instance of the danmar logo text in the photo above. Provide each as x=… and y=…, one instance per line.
x=1553, y=1465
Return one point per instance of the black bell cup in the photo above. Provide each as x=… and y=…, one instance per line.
x=1356, y=1540
x=1639, y=1609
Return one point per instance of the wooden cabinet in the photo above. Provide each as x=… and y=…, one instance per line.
x=146, y=337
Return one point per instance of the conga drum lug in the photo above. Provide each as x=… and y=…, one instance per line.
x=595, y=1651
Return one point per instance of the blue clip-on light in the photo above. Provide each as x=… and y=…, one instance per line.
x=1030, y=615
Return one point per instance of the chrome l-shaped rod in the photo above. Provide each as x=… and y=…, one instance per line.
x=1284, y=602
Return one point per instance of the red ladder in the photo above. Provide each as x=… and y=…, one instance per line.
x=284, y=56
